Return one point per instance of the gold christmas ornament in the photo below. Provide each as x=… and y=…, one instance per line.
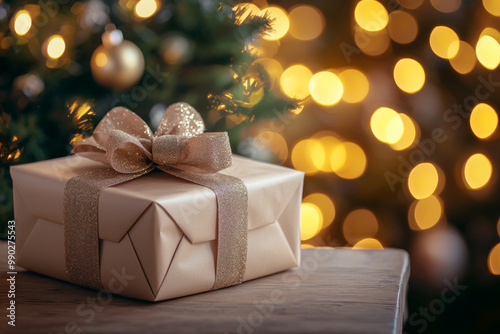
x=117, y=64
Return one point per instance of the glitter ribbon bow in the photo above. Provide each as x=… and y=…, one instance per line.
x=124, y=142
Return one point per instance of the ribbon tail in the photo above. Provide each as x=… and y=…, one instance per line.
x=232, y=211
x=81, y=229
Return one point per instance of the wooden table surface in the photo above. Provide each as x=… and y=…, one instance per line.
x=334, y=291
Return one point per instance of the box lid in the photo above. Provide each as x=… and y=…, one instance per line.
x=192, y=207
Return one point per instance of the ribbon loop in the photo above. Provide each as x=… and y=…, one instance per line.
x=169, y=150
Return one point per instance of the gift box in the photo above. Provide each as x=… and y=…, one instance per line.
x=157, y=233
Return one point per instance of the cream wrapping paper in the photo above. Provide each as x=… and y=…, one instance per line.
x=157, y=233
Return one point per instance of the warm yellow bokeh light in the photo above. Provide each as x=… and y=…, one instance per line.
x=295, y=81
x=371, y=15
x=494, y=260
x=22, y=22
x=273, y=68
x=330, y=144
x=355, y=161
x=428, y=212
x=483, y=120
x=465, y=59
x=386, y=125
x=306, y=22
x=247, y=9
x=444, y=42
x=477, y=171
x=410, y=133
x=372, y=43
x=359, y=224
x=488, y=52
x=423, y=180
x=279, y=22
x=274, y=142
x=55, y=46
x=311, y=221
x=326, y=88
x=306, y=246
x=403, y=27
x=409, y=75
x=411, y=4
x=356, y=85
x=492, y=6
x=446, y=6
x=368, y=243
x=325, y=204
x=145, y=8
x=308, y=155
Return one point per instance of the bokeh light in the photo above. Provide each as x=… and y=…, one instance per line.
x=55, y=46
x=477, y=171
x=494, y=260
x=371, y=15
x=483, y=120
x=330, y=146
x=372, y=43
x=410, y=135
x=355, y=84
x=368, y=243
x=359, y=224
x=311, y=221
x=279, y=22
x=273, y=68
x=295, y=81
x=326, y=206
x=423, y=180
x=275, y=143
x=427, y=212
x=306, y=22
x=403, y=27
x=492, y=6
x=308, y=155
x=22, y=22
x=465, y=59
x=386, y=125
x=145, y=8
x=446, y=6
x=488, y=52
x=444, y=42
x=355, y=161
x=326, y=88
x=409, y=75
x=247, y=9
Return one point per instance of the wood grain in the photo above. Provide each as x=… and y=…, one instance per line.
x=334, y=291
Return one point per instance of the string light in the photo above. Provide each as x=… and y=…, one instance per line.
x=423, y=180
x=326, y=206
x=355, y=85
x=311, y=221
x=492, y=6
x=488, y=52
x=306, y=22
x=354, y=163
x=411, y=131
x=477, y=171
x=359, y=224
x=295, y=81
x=308, y=155
x=444, y=42
x=403, y=28
x=494, y=260
x=145, y=8
x=55, y=46
x=22, y=22
x=326, y=88
x=483, y=120
x=368, y=243
x=386, y=125
x=465, y=59
x=446, y=6
x=279, y=22
x=427, y=212
x=409, y=75
x=371, y=15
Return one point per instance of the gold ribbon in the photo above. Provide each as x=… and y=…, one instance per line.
x=124, y=142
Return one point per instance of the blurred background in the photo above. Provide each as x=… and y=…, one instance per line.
x=389, y=107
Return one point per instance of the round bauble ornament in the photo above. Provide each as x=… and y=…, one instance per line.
x=117, y=64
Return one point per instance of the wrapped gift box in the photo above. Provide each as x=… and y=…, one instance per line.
x=158, y=232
